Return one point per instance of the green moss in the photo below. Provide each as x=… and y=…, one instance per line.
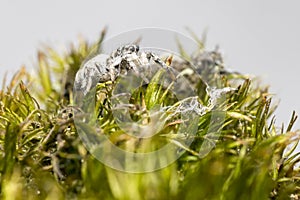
x=42, y=156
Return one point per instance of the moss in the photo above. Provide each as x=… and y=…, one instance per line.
x=42, y=156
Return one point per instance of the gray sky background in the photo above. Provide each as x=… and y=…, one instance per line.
x=259, y=37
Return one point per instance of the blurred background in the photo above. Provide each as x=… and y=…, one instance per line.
x=256, y=37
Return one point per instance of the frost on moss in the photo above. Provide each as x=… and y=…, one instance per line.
x=41, y=155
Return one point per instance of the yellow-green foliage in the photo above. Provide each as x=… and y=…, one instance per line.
x=42, y=157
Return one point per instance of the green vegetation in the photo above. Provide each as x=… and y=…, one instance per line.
x=42, y=157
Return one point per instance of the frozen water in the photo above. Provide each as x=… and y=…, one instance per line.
x=215, y=94
x=92, y=72
x=103, y=68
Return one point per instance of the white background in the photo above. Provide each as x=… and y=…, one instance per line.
x=258, y=37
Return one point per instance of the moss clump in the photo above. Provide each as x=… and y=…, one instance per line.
x=42, y=156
